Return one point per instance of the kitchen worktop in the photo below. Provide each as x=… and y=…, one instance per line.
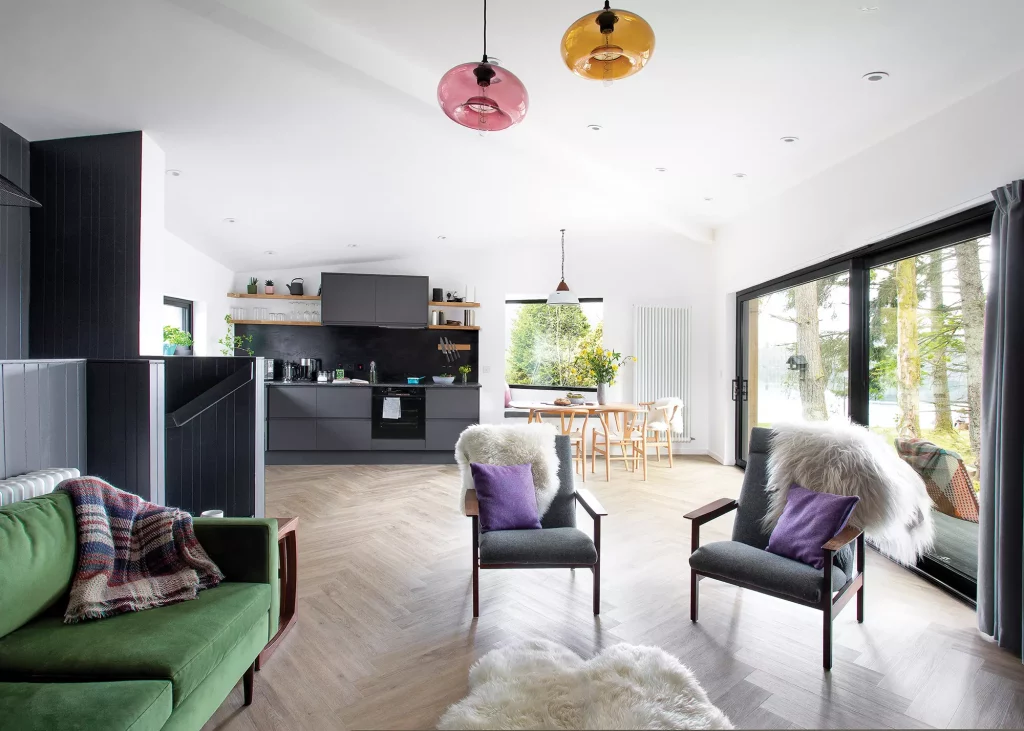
x=383, y=384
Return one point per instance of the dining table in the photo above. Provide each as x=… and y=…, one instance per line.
x=593, y=407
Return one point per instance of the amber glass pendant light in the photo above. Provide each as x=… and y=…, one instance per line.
x=608, y=45
x=483, y=96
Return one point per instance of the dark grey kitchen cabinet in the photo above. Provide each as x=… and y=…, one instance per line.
x=373, y=299
x=342, y=402
x=348, y=299
x=402, y=300
x=291, y=402
x=339, y=435
x=443, y=433
x=454, y=402
x=291, y=434
x=398, y=445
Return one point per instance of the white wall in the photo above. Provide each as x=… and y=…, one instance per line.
x=170, y=267
x=943, y=164
x=671, y=271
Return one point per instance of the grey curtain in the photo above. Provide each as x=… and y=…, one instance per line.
x=1001, y=530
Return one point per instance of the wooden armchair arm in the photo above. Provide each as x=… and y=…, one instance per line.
x=590, y=503
x=711, y=511
x=472, y=506
x=846, y=536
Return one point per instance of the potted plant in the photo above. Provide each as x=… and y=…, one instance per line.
x=465, y=370
x=268, y=287
x=576, y=399
x=177, y=341
x=604, y=365
x=231, y=342
x=445, y=378
x=251, y=287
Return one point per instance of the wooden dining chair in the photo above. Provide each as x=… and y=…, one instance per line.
x=569, y=424
x=659, y=425
x=624, y=427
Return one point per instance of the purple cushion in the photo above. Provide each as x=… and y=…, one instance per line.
x=809, y=521
x=507, y=497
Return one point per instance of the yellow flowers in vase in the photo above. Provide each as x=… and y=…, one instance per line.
x=604, y=364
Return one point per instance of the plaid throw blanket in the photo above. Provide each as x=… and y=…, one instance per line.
x=132, y=555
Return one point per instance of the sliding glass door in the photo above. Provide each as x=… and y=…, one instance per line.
x=889, y=336
x=796, y=355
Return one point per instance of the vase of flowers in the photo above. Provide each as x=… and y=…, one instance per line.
x=465, y=370
x=604, y=365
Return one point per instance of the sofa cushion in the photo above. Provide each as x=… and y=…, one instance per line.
x=37, y=557
x=130, y=705
x=182, y=643
x=759, y=569
x=549, y=545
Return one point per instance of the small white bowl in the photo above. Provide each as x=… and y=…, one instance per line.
x=446, y=380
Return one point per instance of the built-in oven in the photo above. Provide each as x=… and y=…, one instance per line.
x=399, y=413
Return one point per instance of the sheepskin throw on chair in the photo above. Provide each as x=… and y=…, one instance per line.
x=846, y=459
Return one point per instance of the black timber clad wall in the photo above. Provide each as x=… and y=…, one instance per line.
x=212, y=461
x=85, y=247
x=125, y=424
x=43, y=417
x=14, y=250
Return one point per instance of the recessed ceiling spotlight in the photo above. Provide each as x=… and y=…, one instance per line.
x=869, y=8
x=594, y=127
x=661, y=170
x=352, y=246
x=441, y=238
x=174, y=173
x=739, y=175
x=876, y=76
x=268, y=252
x=789, y=138
x=229, y=220
x=708, y=199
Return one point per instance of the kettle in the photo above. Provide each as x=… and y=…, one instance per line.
x=294, y=288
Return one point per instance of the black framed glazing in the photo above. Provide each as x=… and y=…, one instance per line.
x=579, y=389
x=964, y=226
x=186, y=312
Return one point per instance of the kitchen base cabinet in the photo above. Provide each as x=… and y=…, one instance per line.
x=399, y=445
x=443, y=433
x=291, y=434
x=342, y=434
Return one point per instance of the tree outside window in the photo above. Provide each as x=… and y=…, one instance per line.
x=543, y=342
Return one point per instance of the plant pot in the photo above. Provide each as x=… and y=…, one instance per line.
x=577, y=401
x=183, y=350
x=465, y=378
x=269, y=289
x=250, y=289
x=169, y=349
x=602, y=393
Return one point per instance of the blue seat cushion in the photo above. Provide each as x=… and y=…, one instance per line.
x=759, y=569
x=544, y=546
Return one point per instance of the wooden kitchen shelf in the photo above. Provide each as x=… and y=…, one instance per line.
x=453, y=327
x=245, y=295
x=274, y=322
x=454, y=304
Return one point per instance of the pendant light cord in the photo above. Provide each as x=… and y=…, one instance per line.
x=485, y=31
x=563, y=254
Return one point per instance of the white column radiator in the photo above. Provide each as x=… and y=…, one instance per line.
x=661, y=344
x=33, y=484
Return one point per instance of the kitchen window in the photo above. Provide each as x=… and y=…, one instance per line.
x=178, y=313
x=543, y=343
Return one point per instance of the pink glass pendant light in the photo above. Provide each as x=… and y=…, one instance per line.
x=483, y=96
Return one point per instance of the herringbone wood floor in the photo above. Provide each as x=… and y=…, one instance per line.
x=385, y=635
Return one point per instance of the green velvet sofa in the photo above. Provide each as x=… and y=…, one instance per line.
x=166, y=668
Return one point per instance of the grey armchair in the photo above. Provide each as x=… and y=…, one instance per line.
x=743, y=561
x=559, y=544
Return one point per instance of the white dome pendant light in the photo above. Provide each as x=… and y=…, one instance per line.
x=562, y=295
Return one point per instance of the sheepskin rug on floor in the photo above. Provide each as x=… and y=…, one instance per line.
x=532, y=444
x=542, y=685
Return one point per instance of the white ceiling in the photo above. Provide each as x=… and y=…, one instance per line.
x=314, y=123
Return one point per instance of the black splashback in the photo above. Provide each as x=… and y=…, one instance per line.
x=397, y=351
x=14, y=250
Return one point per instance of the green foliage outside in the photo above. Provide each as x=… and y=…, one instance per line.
x=177, y=336
x=546, y=344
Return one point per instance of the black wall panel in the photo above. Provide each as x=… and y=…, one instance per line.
x=14, y=250
x=215, y=461
x=85, y=247
x=125, y=425
x=42, y=416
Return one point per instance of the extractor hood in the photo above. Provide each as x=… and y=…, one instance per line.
x=12, y=195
